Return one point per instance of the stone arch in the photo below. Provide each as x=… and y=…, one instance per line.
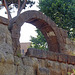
x=52, y=33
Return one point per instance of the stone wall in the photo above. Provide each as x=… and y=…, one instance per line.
x=35, y=62
x=6, y=51
x=70, y=47
x=39, y=62
x=37, y=66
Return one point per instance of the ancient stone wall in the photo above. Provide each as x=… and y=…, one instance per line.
x=35, y=62
x=6, y=51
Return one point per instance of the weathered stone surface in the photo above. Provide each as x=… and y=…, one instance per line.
x=6, y=48
x=18, y=61
x=36, y=62
x=68, y=41
x=71, y=60
x=36, y=53
x=55, y=72
x=29, y=70
x=3, y=30
x=70, y=47
x=29, y=61
x=5, y=36
x=50, y=56
x=49, y=64
x=2, y=57
x=70, y=68
x=6, y=69
x=6, y=52
x=43, y=71
x=63, y=68
x=62, y=58
x=41, y=63
x=19, y=70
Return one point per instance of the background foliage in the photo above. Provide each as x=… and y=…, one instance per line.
x=39, y=42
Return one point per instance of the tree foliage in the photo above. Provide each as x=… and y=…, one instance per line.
x=39, y=42
x=62, y=12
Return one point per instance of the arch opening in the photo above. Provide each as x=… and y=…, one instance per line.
x=48, y=33
x=28, y=35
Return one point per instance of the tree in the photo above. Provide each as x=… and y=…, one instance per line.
x=39, y=42
x=20, y=4
x=62, y=12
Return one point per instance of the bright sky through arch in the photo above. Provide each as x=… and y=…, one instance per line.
x=27, y=30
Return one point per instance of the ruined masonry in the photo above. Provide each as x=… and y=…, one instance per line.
x=58, y=60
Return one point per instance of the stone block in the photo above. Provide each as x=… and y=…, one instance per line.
x=36, y=53
x=29, y=70
x=50, y=64
x=53, y=40
x=43, y=71
x=29, y=52
x=68, y=41
x=9, y=58
x=53, y=47
x=18, y=61
x=41, y=63
x=2, y=57
x=63, y=32
x=62, y=58
x=52, y=55
x=30, y=61
x=53, y=65
x=71, y=60
x=55, y=72
x=62, y=48
x=7, y=69
x=6, y=48
x=70, y=68
x=63, y=67
x=19, y=70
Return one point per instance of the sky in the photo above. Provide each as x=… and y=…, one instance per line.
x=27, y=29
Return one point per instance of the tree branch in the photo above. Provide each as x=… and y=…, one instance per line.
x=19, y=4
x=8, y=12
x=23, y=5
x=18, y=13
